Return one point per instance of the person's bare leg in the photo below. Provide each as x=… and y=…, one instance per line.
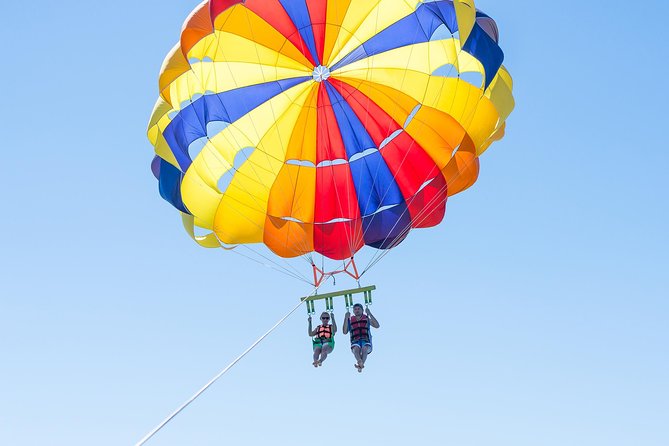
x=327, y=349
x=363, y=356
x=317, y=353
x=356, y=352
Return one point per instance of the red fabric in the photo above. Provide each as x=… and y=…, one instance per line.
x=273, y=13
x=318, y=15
x=335, y=191
x=335, y=198
x=410, y=165
x=329, y=143
x=216, y=7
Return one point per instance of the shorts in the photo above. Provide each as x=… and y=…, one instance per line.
x=362, y=343
x=317, y=343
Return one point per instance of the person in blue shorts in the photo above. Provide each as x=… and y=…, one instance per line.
x=359, y=325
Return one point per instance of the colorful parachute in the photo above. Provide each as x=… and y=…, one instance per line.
x=324, y=126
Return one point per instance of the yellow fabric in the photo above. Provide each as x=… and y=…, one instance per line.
x=206, y=241
x=366, y=19
x=466, y=14
x=248, y=26
x=265, y=128
x=500, y=92
x=422, y=57
x=223, y=46
x=159, y=121
x=225, y=76
x=336, y=12
x=240, y=216
x=174, y=65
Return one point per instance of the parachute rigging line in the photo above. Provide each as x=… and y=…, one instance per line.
x=155, y=430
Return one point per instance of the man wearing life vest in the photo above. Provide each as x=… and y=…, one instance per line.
x=323, y=338
x=359, y=325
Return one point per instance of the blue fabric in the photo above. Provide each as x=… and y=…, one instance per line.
x=417, y=27
x=169, y=185
x=387, y=229
x=374, y=184
x=486, y=50
x=299, y=13
x=191, y=122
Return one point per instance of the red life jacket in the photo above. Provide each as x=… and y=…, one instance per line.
x=324, y=333
x=359, y=328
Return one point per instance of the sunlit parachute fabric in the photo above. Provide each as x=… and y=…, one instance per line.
x=325, y=126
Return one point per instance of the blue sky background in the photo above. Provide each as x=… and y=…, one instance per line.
x=536, y=315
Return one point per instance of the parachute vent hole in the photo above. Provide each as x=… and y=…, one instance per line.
x=328, y=163
x=387, y=141
x=213, y=128
x=381, y=209
x=448, y=70
x=441, y=33
x=413, y=114
x=360, y=155
x=225, y=180
x=196, y=147
x=473, y=77
x=243, y=156
x=216, y=127
x=292, y=219
x=240, y=158
x=425, y=184
x=302, y=163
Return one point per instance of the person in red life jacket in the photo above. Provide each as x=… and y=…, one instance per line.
x=359, y=325
x=323, y=338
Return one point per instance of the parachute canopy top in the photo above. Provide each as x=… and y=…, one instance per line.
x=312, y=126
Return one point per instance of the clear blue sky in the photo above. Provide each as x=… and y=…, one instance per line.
x=542, y=298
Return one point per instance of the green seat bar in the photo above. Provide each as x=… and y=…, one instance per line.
x=329, y=298
x=344, y=293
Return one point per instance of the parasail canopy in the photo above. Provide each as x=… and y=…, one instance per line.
x=325, y=126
